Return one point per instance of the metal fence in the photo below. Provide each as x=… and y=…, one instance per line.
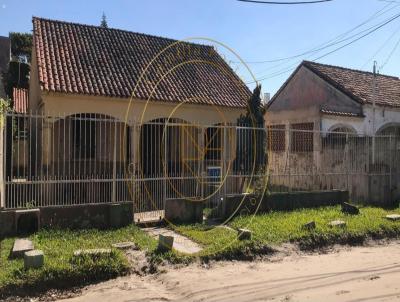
x=303, y=160
x=92, y=158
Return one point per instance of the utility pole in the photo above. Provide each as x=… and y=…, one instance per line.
x=373, y=111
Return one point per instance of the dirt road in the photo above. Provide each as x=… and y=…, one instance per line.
x=356, y=274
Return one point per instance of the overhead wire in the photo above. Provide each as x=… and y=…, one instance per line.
x=384, y=44
x=321, y=46
x=356, y=37
x=285, y=2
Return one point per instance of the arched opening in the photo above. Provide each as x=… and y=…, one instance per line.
x=164, y=147
x=88, y=145
x=391, y=129
x=338, y=136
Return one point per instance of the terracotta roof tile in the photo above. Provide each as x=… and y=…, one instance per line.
x=84, y=59
x=20, y=100
x=340, y=113
x=359, y=84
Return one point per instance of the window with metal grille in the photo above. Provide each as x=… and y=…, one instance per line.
x=84, y=133
x=276, y=138
x=302, y=137
x=213, y=143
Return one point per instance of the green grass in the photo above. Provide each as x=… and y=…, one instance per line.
x=278, y=227
x=269, y=230
x=59, y=269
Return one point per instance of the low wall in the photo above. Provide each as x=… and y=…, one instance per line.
x=99, y=216
x=85, y=216
x=7, y=223
x=181, y=210
x=234, y=205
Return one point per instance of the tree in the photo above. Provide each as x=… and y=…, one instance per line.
x=251, y=155
x=17, y=74
x=103, y=22
x=21, y=45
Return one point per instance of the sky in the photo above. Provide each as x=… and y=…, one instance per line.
x=255, y=32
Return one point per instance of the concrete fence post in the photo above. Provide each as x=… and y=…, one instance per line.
x=2, y=161
x=114, y=184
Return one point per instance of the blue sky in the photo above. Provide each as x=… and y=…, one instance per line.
x=256, y=32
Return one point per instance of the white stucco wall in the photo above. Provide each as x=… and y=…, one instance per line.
x=384, y=116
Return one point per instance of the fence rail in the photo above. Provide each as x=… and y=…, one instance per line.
x=91, y=159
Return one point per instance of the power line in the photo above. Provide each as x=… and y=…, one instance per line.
x=330, y=42
x=359, y=38
x=368, y=31
x=390, y=55
x=380, y=48
x=285, y=3
x=336, y=49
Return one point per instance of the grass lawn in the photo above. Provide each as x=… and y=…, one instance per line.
x=279, y=227
x=59, y=268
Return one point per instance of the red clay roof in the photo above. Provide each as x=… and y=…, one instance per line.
x=83, y=59
x=359, y=84
x=20, y=100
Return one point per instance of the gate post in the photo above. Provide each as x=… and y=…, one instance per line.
x=3, y=124
x=166, y=164
x=391, y=149
x=224, y=172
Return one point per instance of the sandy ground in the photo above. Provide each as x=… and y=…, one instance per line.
x=356, y=274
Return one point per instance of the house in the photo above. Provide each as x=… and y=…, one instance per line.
x=116, y=116
x=338, y=128
x=332, y=97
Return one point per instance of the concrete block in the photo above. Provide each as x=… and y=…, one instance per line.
x=27, y=221
x=350, y=209
x=33, y=259
x=7, y=223
x=393, y=217
x=310, y=225
x=165, y=243
x=244, y=234
x=92, y=252
x=125, y=246
x=181, y=210
x=337, y=223
x=115, y=215
x=20, y=247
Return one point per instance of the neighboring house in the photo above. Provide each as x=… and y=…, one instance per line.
x=331, y=97
x=4, y=60
x=322, y=120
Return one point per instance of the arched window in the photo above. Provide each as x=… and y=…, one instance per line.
x=338, y=137
x=389, y=129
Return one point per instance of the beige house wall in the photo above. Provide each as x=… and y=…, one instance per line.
x=136, y=110
x=56, y=133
